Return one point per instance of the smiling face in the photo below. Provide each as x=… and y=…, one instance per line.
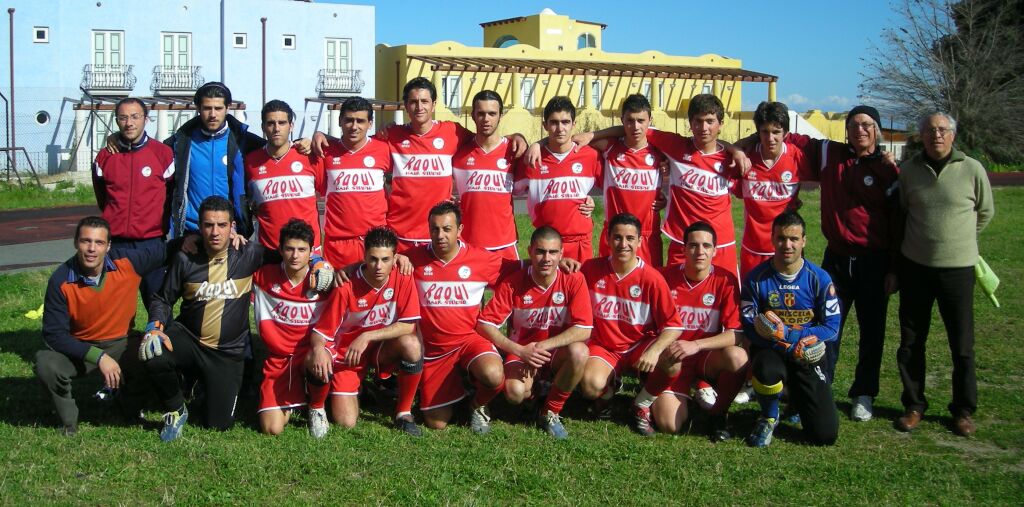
x=861, y=132
x=624, y=240
x=354, y=126
x=419, y=106
x=789, y=244
x=545, y=254
x=444, y=233
x=91, y=249
x=131, y=121
x=705, y=128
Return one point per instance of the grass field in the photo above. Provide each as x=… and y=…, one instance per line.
x=602, y=462
x=30, y=196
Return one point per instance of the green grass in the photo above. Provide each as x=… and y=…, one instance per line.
x=30, y=196
x=602, y=463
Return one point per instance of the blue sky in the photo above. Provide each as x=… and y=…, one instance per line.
x=815, y=47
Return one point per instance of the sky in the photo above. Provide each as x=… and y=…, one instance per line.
x=814, y=47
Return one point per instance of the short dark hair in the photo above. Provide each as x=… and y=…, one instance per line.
x=789, y=219
x=559, y=104
x=94, y=222
x=277, y=106
x=212, y=90
x=356, y=104
x=636, y=103
x=444, y=208
x=490, y=95
x=705, y=103
x=296, y=228
x=419, y=83
x=545, y=232
x=131, y=100
x=700, y=226
x=216, y=203
x=772, y=112
x=624, y=219
x=381, y=237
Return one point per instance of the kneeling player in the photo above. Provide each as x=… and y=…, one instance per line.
x=551, y=319
x=286, y=310
x=706, y=300
x=789, y=310
x=371, y=322
x=634, y=319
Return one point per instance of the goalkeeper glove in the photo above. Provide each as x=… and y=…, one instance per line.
x=808, y=350
x=321, y=274
x=154, y=341
x=771, y=328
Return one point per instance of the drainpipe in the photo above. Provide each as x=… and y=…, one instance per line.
x=263, y=21
x=14, y=156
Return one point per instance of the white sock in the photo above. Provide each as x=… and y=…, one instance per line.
x=644, y=399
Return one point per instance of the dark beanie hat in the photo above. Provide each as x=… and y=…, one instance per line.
x=868, y=110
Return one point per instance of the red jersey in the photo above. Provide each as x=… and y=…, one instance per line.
x=557, y=186
x=767, y=191
x=450, y=293
x=285, y=312
x=355, y=199
x=631, y=180
x=707, y=307
x=539, y=313
x=282, y=189
x=699, y=186
x=357, y=307
x=484, y=182
x=630, y=308
x=422, y=175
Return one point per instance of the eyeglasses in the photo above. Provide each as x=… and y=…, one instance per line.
x=135, y=117
x=937, y=131
x=868, y=125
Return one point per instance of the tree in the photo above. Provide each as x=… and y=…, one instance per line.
x=965, y=58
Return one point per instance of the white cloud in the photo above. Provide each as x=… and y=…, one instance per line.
x=837, y=100
x=795, y=99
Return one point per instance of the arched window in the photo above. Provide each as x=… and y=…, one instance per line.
x=586, y=40
x=505, y=41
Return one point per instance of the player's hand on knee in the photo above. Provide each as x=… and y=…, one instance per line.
x=681, y=349
x=111, y=371
x=648, y=360
x=321, y=274
x=808, y=350
x=355, y=350
x=535, y=356
x=321, y=364
x=154, y=342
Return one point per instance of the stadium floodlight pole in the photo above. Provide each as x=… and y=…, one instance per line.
x=263, y=21
x=10, y=121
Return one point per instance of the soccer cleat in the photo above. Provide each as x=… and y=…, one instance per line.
x=551, y=423
x=746, y=395
x=719, y=430
x=480, y=420
x=406, y=424
x=706, y=396
x=601, y=409
x=791, y=418
x=318, y=424
x=642, y=421
x=861, y=410
x=763, y=430
x=174, y=423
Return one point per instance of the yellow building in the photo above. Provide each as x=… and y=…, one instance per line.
x=530, y=59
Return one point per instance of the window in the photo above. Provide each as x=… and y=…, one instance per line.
x=41, y=34
x=175, y=49
x=452, y=91
x=288, y=41
x=107, y=47
x=595, y=93
x=586, y=40
x=707, y=88
x=337, y=54
x=646, y=91
x=526, y=87
x=505, y=41
x=103, y=125
x=240, y=40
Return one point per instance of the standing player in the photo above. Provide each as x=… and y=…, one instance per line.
x=286, y=309
x=634, y=318
x=707, y=301
x=355, y=167
x=789, y=310
x=560, y=182
x=551, y=320
x=483, y=177
x=371, y=322
x=282, y=182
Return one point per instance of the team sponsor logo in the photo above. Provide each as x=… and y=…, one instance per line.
x=787, y=176
x=262, y=170
x=789, y=298
x=600, y=284
x=146, y=171
x=795, y=317
x=287, y=312
x=464, y=272
x=769, y=190
x=832, y=307
x=420, y=166
x=372, y=318
x=634, y=291
x=438, y=143
x=558, y=298
x=428, y=271
x=773, y=299
x=698, y=319
x=649, y=159
x=633, y=179
x=708, y=299
x=471, y=161
x=790, y=286
x=285, y=187
x=361, y=302
x=527, y=299
x=539, y=318
x=441, y=294
x=296, y=167
x=560, y=188
x=699, y=180
x=577, y=168
x=369, y=161
x=635, y=313
x=502, y=163
x=869, y=180
x=747, y=309
x=484, y=181
x=355, y=180
x=228, y=289
x=389, y=293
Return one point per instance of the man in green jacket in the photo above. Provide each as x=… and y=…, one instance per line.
x=947, y=200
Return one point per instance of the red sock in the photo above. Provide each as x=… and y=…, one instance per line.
x=658, y=381
x=556, y=399
x=484, y=395
x=727, y=386
x=318, y=394
x=408, y=383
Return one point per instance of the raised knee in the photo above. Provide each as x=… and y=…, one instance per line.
x=515, y=392
x=435, y=424
x=736, y=358
x=592, y=385
x=578, y=353
x=410, y=347
x=272, y=429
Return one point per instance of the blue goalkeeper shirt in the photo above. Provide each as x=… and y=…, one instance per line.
x=807, y=300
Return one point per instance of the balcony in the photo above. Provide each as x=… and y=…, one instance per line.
x=176, y=80
x=108, y=79
x=336, y=83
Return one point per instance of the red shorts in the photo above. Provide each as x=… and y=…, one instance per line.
x=510, y=252
x=621, y=362
x=650, y=247
x=442, y=376
x=346, y=379
x=693, y=368
x=404, y=245
x=750, y=260
x=344, y=251
x=725, y=256
x=579, y=248
x=284, y=382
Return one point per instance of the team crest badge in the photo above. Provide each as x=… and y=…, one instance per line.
x=464, y=272
x=577, y=168
x=674, y=293
x=773, y=299
x=438, y=143
x=428, y=271
x=869, y=180
x=146, y=171
x=718, y=167
x=361, y=303
x=634, y=291
x=296, y=167
x=649, y=159
x=787, y=176
x=558, y=298
x=389, y=293
x=708, y=299
x=789, y=298
x=368, y=161
x=527, y=299
x=224, y=160
x=502, y=163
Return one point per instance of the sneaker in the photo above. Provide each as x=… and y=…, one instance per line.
x=705, y=395
x=861, y=410
x=318, y=424
x=480, y=420
x=601, y=409
x=551, y=423
x=174, y=423
x=763, y=430
x=746, y=395
x=793, y=419
x=407, y=425
x=642, y=421
x=719, y=428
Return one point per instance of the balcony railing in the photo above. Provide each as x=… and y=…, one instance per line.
x=338, y=82
x=176, y=79
x=109, y=78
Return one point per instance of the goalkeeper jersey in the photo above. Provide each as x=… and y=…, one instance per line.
x=807, y=301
